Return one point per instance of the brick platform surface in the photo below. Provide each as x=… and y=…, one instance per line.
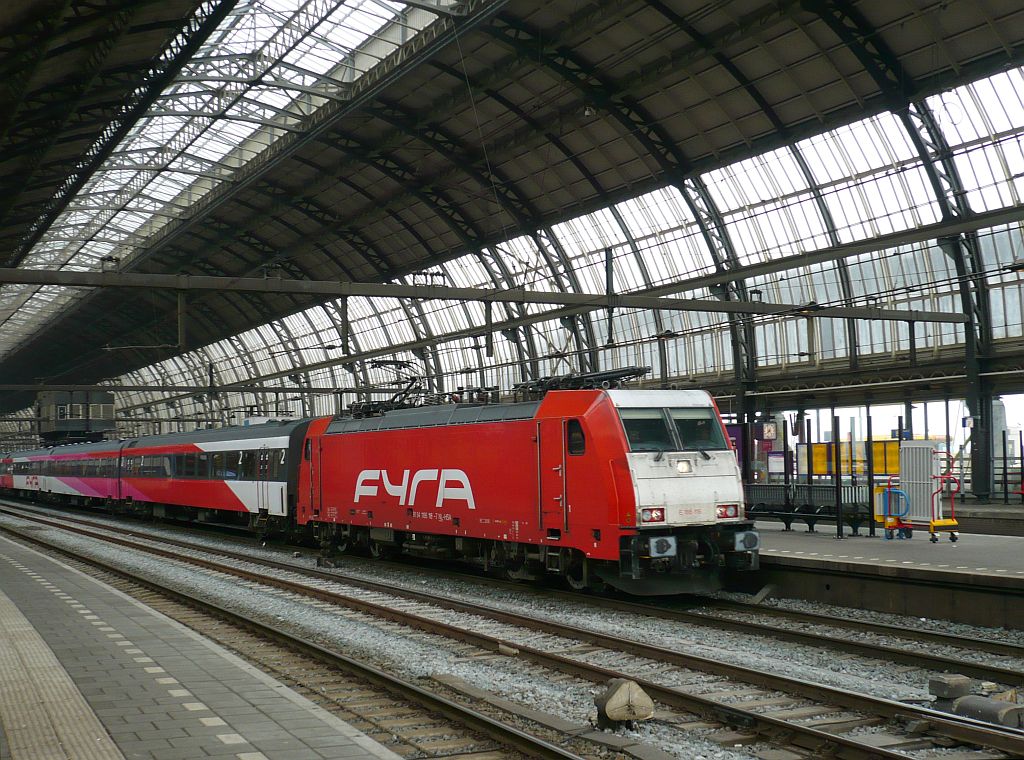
x=90, y=674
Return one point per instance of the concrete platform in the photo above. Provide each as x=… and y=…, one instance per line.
x=979, y=579
x=973, y=554
x=86, y=673
x=992, y=518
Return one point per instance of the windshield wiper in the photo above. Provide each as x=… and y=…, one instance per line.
x=703, y=453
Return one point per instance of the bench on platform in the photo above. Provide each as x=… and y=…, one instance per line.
x=809, y=503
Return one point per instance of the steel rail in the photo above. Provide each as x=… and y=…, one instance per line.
x=955, y=727
x=874, y=651
x=507, y=735
x=990, y=646
x=922, y=660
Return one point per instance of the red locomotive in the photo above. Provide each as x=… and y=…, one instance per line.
x=636, y=489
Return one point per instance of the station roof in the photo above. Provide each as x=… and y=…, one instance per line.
x=515, y=144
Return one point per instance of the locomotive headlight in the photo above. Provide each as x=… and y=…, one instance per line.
x=684, y=466
x=725, y=511
x=652, y=515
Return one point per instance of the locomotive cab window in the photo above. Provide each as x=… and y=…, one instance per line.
x=677, y=429
x=575, y=440
x=646, y=429
x=698, y=429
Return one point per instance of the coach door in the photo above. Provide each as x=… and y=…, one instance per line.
x=552, y=509
x=311, y=455
x=264, y=466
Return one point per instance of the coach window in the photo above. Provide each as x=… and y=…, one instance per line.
x=576, y=442
x=231, y=464
x=203, y=466
x=247, y=466
x=217, y=465
x=275, y=464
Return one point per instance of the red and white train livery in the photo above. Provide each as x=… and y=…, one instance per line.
x=637, y=489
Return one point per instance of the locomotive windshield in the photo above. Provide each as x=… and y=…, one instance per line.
x=675, y=429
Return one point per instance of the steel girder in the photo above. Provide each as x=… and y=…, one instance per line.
x=937, y=159
x=712, y=48
x=545, y=235
x=162, y=71
x=567, y=66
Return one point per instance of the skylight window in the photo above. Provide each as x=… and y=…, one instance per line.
x=270, y=65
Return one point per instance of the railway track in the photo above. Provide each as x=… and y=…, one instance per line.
x=411, y=721
x=815, y=718
x=736, y=617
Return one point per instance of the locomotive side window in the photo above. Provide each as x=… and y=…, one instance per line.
x=646, y=429
x=698, y=429
x=575, y=440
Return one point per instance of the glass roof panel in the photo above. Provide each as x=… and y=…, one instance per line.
x=667, y=236
x=869, y=176
x=257, y=48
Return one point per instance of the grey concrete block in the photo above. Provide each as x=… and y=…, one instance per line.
x=949, y=685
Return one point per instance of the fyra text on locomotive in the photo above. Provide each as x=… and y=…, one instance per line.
x=452, y=485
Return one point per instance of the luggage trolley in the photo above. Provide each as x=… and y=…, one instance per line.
x=917, y=500
x=945, y=478
x=894, y=505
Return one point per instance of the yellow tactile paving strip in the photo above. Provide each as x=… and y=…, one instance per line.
x=44, y=716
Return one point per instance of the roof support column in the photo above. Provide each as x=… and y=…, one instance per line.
x=520, y=336
x=964, y=251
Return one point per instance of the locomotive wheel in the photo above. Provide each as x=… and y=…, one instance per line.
x=381, y=551
x=511, y=573
x=577, y=576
